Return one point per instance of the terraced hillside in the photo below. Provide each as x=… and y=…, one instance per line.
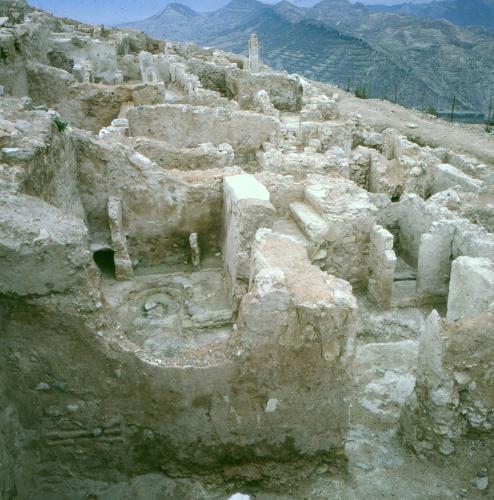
x=412, y=60
x=460, y=12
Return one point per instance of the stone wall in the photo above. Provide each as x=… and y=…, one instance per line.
x=346, y=219
x=160, y=208
x=454, y=391
x=187, y=126
x=446, y=176
x=41, y=158
x=169, y=157
x=285, y=91
x=11, y=456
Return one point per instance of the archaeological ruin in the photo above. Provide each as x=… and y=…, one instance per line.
x=218, y=279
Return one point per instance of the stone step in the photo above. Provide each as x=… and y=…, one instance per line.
x=315, y=198
x=310, y=222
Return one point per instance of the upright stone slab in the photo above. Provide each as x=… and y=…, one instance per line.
x=246, y=208
x=382, y=264
x=149, y=73
x=471, y=289
x=123, y=264
x=254, y=53
x=434, y=261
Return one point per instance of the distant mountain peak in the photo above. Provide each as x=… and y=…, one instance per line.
x=180, y=8
x=285, y=4
x=288, y=9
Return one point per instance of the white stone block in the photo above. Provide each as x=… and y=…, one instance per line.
x=244, y=186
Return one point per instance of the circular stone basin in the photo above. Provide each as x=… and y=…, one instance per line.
x=159, y=305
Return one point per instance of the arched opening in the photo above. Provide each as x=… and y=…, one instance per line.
x=105, y=260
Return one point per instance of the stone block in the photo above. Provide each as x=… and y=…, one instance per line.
x=434, y=261
x=246, y=208
x=471, y=289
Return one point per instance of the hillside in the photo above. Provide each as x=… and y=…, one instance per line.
x=405, y=58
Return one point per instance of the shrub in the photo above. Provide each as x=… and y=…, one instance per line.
x=431, y=110
x=361, y=93
x=61, y=124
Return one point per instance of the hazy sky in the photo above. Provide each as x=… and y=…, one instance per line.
x=119, y=11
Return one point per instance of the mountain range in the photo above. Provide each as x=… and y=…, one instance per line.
x=414, y=60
